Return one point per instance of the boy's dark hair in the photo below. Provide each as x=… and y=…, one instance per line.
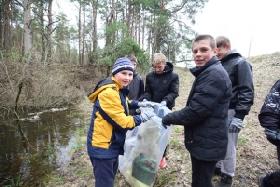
x=132, y=57
x=222, y=41
x=206, y=37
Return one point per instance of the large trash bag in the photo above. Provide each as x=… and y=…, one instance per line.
x=144, y=148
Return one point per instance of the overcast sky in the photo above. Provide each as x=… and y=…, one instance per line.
x=243, y=22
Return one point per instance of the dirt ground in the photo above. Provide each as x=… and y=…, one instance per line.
x=255, y=155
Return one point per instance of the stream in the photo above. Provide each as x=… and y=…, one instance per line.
x=37, y=144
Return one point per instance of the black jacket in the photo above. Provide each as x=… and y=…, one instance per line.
x=136, y=87
x=269, y=116
x=205, y=115
x=240, y=74
x=162, y=87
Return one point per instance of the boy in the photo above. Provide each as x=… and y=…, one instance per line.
x=162, y=86
x=240, y=74
x=205, y=115
x=110, y=121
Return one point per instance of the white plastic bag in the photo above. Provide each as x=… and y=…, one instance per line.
x=144, y=148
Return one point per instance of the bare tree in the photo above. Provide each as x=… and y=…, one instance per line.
x=94, y=5
x=49, y=30
x=27, y=43
x=7, y=16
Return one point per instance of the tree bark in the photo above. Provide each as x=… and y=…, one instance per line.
x=42, y=30
x=27, y=27
x=7, y=16
x=94, y=29
x=49, y=30
x=80, y=33
x=1, y=25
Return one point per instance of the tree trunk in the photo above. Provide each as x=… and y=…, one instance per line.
x=42, y=30
x=110, y=19
x=27, y=27
x=80, y=33
x=83, y=35
x=94, y=29
x=143, y=29
x=1, y=25
x=49, y=31
x=7, y=15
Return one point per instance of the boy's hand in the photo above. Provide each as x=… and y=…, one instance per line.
x=145, y=103
x=146, y=115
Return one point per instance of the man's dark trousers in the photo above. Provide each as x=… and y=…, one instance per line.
x=202, y=172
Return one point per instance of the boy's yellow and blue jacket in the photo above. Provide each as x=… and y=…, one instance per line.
x=110, y=119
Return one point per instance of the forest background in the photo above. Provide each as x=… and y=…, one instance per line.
x=34, y=40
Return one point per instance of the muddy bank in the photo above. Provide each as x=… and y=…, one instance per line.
x=34, y=85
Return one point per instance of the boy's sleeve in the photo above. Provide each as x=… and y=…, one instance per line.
x=110, y=103
x=269, y=116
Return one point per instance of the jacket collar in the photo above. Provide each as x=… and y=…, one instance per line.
x=197, y=70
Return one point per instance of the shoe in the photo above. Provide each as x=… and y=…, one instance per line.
x=217, y=171
x=226, y=180
x=163, y=163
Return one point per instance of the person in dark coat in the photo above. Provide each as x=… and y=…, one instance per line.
x=205, y=115
x=269, y=118
x=162, y=86
x=240, y=74
x=136, y=86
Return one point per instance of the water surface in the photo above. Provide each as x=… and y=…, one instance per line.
x=36, y=145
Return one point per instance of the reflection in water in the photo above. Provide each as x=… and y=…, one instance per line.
x=31, y=150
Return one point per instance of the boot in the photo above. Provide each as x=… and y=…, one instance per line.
x=270, y=180
x=217, y=171
x=226, y=180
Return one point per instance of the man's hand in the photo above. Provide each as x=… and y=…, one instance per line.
x=145, y=103
x=164, y=123
x=235, y=126
x=163, y=103
x=146, y=114
x=272, y=136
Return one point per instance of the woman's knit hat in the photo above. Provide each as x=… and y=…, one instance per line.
x=122, y=64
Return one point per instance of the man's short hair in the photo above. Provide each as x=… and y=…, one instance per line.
x=159, y=58
x=206, y=37
x=222, y=41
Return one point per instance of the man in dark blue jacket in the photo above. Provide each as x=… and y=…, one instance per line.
x=162, y=86
x=269, y=118
x=240, y=74
x=205, y=115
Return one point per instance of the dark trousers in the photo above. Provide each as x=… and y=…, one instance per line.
x=202, y=172
x=104, y=171
x=273, y=179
